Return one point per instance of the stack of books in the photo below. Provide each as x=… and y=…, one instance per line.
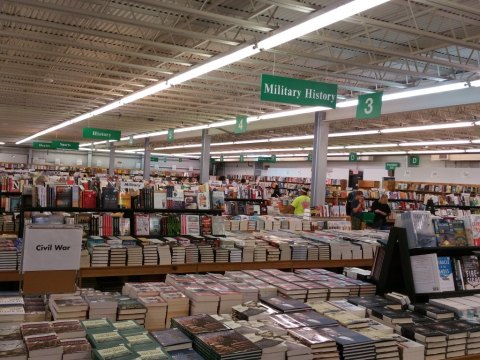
x=68, y=329
x=164, y=255
x=351, y=344
x=322, y=347
x=65, y=307
x=12, y=309
x=101, y=305
x=206, y=254
x=226, y=345
x=221, y=255
x=177, y=303
x=156, y=312
x=172, y=339
x=35, y=308
x=150, y=250
x=134, y=255
x=202, y=300
x=434, y=341
x=195, y=325
x=8, y=254
x=189, y=354
x=76, y=349
x=131, y=309
x=43, y=346
x=118, y=253
x=385, y=343
x=191, y=254
x=99, y=253
x=236, y=255
x=284, y=305
x=178, y=254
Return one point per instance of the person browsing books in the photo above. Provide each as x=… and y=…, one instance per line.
x=358, y=206
x=275, y=190
x=381, y=209
x=301, y=202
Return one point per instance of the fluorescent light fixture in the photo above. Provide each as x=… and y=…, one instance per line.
x=214, y=63
x=424, y=91
x=452, y=125
x=318, y=20
x=145, y=92
x=173, y=147
x=472, y=150
x=191, y=128
x=221, y=143
x=433, y=143
x=338, y=154
x=335, y=148
x=370, y=146
x=354, y=133
x=476, y=141
x=249, y=142
x=347, y=103
x=371, y=153
x=2, y=143
x=292, y=138
x=453, y=151
x=279, y=114
x=158, y=133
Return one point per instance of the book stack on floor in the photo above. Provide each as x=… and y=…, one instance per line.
x=131, y=309
x=65, y=307
x=385, y=342
x=202, y=300
x=11, y=342
x=177, y=303
x=228, y=298
x=101, y=305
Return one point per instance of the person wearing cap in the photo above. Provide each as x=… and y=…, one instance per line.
x=358, y=207
x=301, y=202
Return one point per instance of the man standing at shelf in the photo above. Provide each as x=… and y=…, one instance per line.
x=350, y=198
x=301, y=202
x=358, y=207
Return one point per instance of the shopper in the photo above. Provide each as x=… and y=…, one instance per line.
x=350, y=198
x=358, y=207
x=275, y=190
x=382, y=210
x=301, y=202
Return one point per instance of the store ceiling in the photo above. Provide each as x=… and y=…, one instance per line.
x=62, y=58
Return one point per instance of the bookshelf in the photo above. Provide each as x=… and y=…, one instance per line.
x=396, y=254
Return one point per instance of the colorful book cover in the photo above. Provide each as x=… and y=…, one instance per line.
x=446, y=274
x=470, y=272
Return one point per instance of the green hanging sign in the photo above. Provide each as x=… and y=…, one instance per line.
x=153, y=159
x=212, y=160
x=297, y=91
x=309, y=157
x=413, y=160
x=101, y=134
x=242, y=158
x=369, y=106
x=352, y=157
x=241, y=124
x=180, y=160
x=267, y=159
x=170, y=135
x=67, y=145
x=221, y=158
x=391, y=165
x=42, y=145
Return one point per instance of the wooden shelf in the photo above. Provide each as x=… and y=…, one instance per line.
x=10, y=275
x=206, y=267
x=245, y=200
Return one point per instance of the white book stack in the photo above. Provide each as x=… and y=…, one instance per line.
x=191, y=254
x=101, y=306
x=134, y=256
x=228, y=298
x=178, y=254
x=118, y=253
x=164, y=254
x=8, y=254
x=65, y=307
x=249, y=292
x=156, y=312
x=314, y=290
x=260, y=253
x=150, y=251
x=202, y=300
x=312, y=252
x=206, y=254
x=100, y=255
x=273, y=254
x=236, y=255
x=221, y=255
x=177, y=303
x=12, y=309
x=265, y=290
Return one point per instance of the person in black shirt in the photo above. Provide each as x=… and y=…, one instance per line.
x=276, y=190
x=382, y=210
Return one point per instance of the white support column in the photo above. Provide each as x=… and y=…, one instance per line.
x=111, y=160
x=319, y=159
x=30, y=157
x=89, y=158
x=146, y=160
x=205, y=157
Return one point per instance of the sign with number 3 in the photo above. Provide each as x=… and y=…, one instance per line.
x=369, y=106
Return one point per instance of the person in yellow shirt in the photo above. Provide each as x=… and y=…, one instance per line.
x=301, y=202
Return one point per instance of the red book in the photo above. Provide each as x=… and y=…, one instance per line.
x=89, y=199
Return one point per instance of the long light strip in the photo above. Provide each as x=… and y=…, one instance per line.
x=313, y=22
x=436, y=143
x=453, y=125
x=370, y=146
x=452, y=151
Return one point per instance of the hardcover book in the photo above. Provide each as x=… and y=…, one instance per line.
x=446, y=273
x=172, y=339
x=220, y=344
x=470, y=272
x=286, y=305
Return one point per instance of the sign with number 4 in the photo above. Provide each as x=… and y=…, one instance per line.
x=369, y=106
x=241, y=124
